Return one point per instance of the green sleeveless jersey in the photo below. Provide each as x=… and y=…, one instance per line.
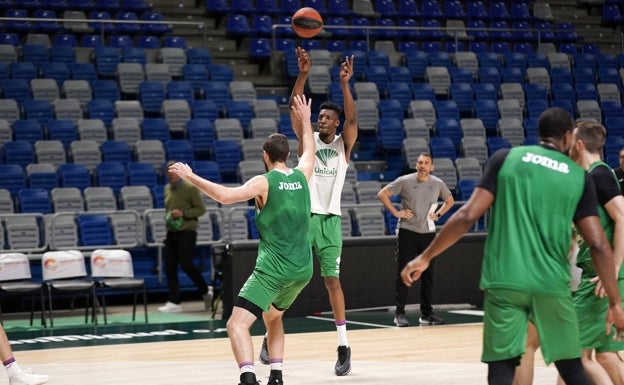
x=530, y=228
x=284, y=249
x=583, y=259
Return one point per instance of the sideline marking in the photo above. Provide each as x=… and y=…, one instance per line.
x=351, y=322
x=468, y=312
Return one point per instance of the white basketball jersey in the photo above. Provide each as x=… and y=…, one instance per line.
x=330, y=170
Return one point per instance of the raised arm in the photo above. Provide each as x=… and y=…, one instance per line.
x=457, y=225
x=300, y=111
x=257, y=186
x=304, y=62
x=350, y=126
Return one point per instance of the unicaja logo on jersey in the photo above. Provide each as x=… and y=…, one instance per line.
x=325, y=155
x=546, y=162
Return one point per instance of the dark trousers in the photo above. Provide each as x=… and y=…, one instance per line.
x=409, y=245
x=180, y=249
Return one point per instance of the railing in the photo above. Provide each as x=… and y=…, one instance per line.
x=454, y=32
x=201, y=26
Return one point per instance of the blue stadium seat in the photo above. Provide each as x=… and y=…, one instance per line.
x=83, y=71
x=390, y=134
x=221, y=72
x=74, y=175
x=416, y=62
x=111, y=174
x=487, y=111
x=490, y=75
x=120, y=41
x=116, y=151
x=180, y=90
x=18, y=26
x=423, y=91
x=207, y=169
x=442, y=147
x=463, y=95
x=47, y=26
x=151, y=96
x=197, y=75
x=158, y=27
x=390, y=108
x=180, y=150
x=105, y=90
x=101, y=109
x=131, y=27
x=63, y=130
x=34, y=200
x=241, y=110
x=465, y=187
x=155, y=129
x=19, y=152
x=141, y=174
x=204, y=109
x=495, y=143
x=133, y=55
x=148, y=42
x=12, y=177
x=23, y=70
x=106, y=60
x=103, y=23
x=91, y=41
x=37, y=110
x=260, y=48
x=41, y=179
x=56, y=71
x=199, y=56
x=485, y=91
x=227, y=155
x=94, y=230
x=200, y=132
x=449, y=128
x=62, y=54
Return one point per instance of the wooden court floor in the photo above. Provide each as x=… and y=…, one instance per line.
x=381, y=354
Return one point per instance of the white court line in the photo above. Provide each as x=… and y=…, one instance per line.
x=468, y=312
x=352, y=322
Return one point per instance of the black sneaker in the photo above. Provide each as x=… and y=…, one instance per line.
x=275, y=378
x=264, y=352
x=430, y=319
x=400, y=320
x=343, y=365
x=248, y=378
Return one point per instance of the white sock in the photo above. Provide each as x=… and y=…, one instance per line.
x=13, y=369
x=342, y=335
x=277, y=365
x=247, y=368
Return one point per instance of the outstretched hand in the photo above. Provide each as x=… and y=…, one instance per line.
x=302, y=107
x=180, y=169
x=303, y=60
x=346, y=69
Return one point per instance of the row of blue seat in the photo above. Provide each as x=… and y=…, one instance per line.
x=83, y=5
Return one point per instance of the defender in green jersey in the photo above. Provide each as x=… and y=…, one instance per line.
x=534, y=193
x=284, y=264
x=589, y=140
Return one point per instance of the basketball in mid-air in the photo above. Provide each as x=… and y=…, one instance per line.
x=307, y=22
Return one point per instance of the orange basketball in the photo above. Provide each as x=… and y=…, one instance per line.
x=307, y=22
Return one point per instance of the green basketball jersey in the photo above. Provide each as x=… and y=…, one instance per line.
x=583, y=259
x=530, y=229
x=284, y=249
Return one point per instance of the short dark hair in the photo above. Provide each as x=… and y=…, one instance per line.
x=331, y=106
x=593, y=135
x=276, y=147
x=554, y=123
